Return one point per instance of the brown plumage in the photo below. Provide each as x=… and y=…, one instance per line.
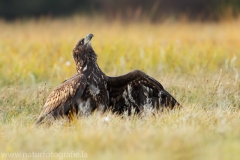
x=63, y=98
x=91, y=89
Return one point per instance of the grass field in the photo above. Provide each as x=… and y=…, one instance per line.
x=196, y=62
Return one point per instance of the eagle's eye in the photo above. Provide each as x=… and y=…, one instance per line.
x=81, y=42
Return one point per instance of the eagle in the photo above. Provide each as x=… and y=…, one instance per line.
x=91, y=89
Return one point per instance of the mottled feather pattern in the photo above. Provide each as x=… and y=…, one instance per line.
x=138, y=90
x=63, y=93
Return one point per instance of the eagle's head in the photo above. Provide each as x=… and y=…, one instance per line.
x=83, y=46
x=83, y=52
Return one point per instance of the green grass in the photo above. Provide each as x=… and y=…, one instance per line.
x=196, y=62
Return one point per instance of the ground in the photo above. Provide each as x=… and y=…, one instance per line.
x=196, y=62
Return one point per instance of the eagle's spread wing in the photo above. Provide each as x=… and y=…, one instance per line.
x=65, y=96
x=138, y=90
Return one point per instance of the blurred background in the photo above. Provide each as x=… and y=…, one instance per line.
x=154, y=10
x=159, y=37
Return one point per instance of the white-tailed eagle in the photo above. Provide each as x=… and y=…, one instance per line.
x=90, y=89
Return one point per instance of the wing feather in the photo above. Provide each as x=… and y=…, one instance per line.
x=137, y=89
x=64, y=96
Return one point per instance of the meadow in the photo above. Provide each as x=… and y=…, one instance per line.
x=197, y=62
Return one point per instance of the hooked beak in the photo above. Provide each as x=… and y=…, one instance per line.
x=88, y=38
